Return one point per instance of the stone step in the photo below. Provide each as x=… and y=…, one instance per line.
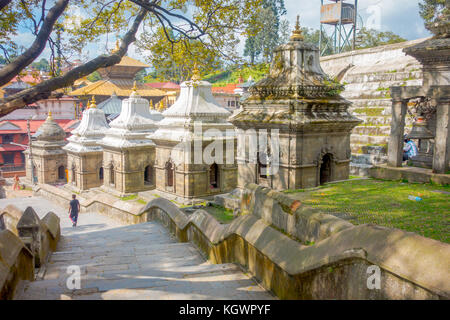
x=361, y=170
x=378, y=86
x=368, y=140
x=389, y=76
x=372, y=130
x=369, y=159
x=370, y=111
x=367, y=103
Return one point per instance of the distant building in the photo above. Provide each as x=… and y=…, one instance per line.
x=171, y=89
x=118, y=79
x=14, y=139
x=227, y=97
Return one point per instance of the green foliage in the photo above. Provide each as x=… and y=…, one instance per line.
x=42, y=65
x=95, y=76
x=130, y=197
x=372, y=38
x=175, y=61
x=266, y=31
x=431, y=9
x=221, y=214
x=232, y=74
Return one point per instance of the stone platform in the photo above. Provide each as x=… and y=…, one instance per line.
x=412, y=174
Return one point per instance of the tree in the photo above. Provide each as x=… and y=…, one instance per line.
x=431, y=9
x=42, y=65
x=171, y=61
x=264, y=33
x=370, y=38
x=216, y=24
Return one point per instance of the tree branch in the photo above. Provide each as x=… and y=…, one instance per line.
x=12, y=69
x=4, y=3
x=44, y=89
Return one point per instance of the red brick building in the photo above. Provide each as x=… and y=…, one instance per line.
x=14, y=138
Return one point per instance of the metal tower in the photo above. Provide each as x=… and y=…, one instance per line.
x=335, y=37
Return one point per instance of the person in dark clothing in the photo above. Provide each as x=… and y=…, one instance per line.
x=74, y=209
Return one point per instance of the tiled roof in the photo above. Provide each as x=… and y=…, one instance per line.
x=67, y=125
x=229, y=88
x=164, y=85
x=122, y=87
x=130, y=62
x=112, y=105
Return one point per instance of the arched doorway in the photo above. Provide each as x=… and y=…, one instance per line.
x=170, y=174
x=262, y=165
x=148, y=175
x=61, y=173
x=214, y=176
x=100, y=174
x=325, y=168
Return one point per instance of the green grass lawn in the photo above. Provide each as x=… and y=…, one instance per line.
x=221, y=214
x=385, y=203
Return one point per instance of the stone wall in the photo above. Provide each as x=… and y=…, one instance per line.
x=26, y=243
x=296, y=251
x=367, y=75
x=16, y=264
x=335, y=266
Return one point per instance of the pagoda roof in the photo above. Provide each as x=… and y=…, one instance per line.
x=112, y=105
x=122, y=88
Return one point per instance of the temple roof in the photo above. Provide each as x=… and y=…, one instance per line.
x=121, y=87
x=195, y=105
x=133, y=124
x=92, y=129
x=112, y=105
x=125, y=69
x=49, y=133
x=296, y=94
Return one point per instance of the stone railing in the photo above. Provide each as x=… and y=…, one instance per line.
x=335, y=266
x=16, y=263
x=26, y=243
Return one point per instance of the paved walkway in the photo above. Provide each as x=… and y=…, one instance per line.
x=130, y=262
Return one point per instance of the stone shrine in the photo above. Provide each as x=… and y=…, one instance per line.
x=128, y=155
x=47, y=154
x=302, y=122
x=195, y=145
x=84, y=154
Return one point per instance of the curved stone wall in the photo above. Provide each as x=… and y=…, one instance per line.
x=335, y=267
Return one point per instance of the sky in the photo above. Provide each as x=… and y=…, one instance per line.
x=399, y=16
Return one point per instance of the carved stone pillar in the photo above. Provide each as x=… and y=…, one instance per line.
x=441, y=156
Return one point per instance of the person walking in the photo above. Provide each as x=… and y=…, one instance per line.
x=16, y=185
x=74, y=209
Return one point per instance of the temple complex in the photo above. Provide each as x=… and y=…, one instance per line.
x=298, y=105
x=84, y=154
x=47, y=154
x=128, y=155
x=192, y=143
x=118, y=79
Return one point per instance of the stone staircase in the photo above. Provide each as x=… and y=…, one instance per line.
x=141, y=261
x=367, y=85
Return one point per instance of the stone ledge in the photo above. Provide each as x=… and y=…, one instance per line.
x=412, y=174
x=412, y=266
